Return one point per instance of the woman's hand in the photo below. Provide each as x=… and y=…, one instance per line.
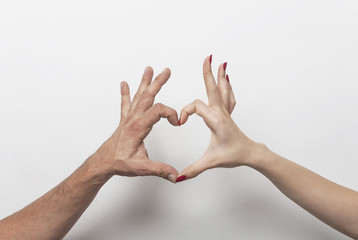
x=229, y=146
x=124, y=152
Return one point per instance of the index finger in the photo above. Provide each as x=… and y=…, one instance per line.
x=158, y=111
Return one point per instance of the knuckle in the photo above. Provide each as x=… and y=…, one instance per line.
x=137, y=96
x=143, y=95
x=125, y=100
x=137, y=125
x=197, y=102
x=207, y=73
x=158, y=106
x=161, y=172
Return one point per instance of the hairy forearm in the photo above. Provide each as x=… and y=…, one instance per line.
x=333, y=204
x=53, y=215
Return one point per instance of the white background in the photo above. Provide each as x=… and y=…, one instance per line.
x=294, y=69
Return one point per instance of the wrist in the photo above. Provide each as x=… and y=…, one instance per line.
x=98, y=169
x=259, y=156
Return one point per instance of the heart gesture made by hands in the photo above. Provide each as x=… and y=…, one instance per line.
x=124, y=152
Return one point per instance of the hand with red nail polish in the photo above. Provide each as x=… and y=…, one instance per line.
x=124, y=152
x=229, y=146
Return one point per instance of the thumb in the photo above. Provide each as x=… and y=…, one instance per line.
x=193, y=170
x=162, y=170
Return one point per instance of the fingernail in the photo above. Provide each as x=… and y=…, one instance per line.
x=171, y=178
x=164, y=70
x=181, y=178
x=122, y=85
x=211, y=58
x=179, y=122
x=225, y=64
x=227, y=78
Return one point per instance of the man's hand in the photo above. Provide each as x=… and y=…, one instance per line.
x=124, y=152
x=53, y=215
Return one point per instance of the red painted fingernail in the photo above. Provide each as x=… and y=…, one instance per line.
x=211, y=58
x=179, y=122
x=227, y=78
x=225, y=64
x=181, y=178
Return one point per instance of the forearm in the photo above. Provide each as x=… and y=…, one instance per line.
x=54, y=214
x=333, y=204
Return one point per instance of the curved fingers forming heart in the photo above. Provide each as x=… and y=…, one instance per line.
x=216, y=115
x=198, y=107
x=152, y=116
x=124, y=152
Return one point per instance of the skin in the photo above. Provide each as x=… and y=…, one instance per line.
x=124, y=154
x=229, y=147
x=51, y=216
